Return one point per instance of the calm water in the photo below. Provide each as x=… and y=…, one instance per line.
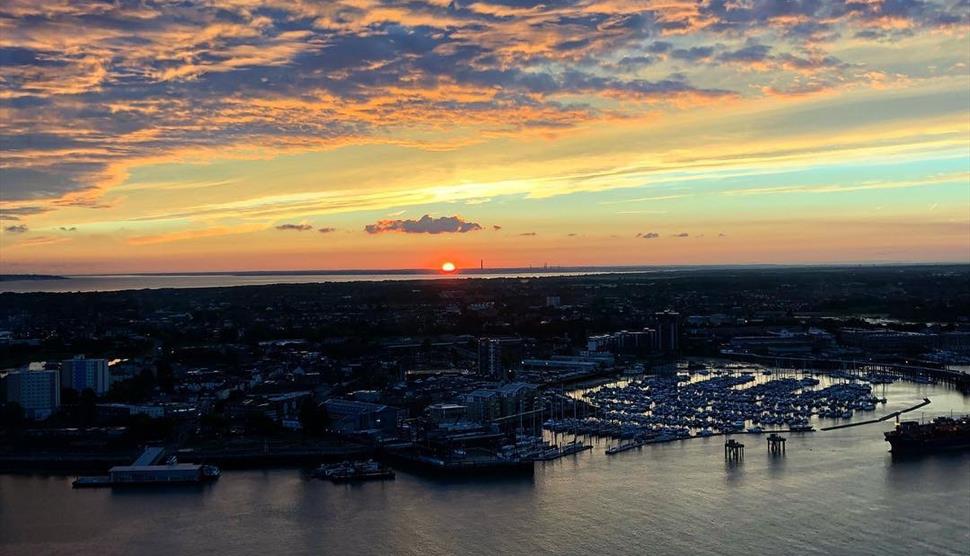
x=836, y=492
x=116, y=282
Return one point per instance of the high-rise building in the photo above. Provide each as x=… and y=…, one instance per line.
x=36, y=390
x=80, y=373
x=668, y=331
x=490, y=358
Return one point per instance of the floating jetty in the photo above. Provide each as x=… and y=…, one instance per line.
x=641, y=442
x=620, y=448
x=566, y=449
x=146, y=470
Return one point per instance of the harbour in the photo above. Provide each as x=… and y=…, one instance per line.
x=572, y=505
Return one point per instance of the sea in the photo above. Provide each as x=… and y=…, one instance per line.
x=118, y=282
x=832, y=493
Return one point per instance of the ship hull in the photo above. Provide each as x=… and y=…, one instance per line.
x=904, y=446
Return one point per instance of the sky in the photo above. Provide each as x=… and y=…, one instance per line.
x=368, y=134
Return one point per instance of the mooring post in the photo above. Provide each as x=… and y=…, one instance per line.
x=776, y=444
x=733, y=450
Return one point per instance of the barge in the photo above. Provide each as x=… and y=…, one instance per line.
x=941, y=434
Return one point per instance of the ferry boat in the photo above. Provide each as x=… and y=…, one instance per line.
x=943, y=433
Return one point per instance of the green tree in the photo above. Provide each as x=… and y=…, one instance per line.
x=87, y=407
x=11, y=415
x=314, y=418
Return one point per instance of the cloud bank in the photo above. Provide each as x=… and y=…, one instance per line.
x=424, y=225
x=294, y=227
x=138, y=81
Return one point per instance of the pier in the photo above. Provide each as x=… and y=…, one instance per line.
x=566, y=449
x=895, y=414
x=149, y=469
x=619, y=448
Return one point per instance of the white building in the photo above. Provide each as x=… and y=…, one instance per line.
x=80, y=373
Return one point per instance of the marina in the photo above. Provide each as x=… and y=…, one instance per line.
x=579, y=504
x=702, y=404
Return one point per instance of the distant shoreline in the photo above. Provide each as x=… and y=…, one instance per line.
x=80, y=283
x=17, y=277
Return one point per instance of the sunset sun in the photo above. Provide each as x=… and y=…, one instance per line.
x=447, y=266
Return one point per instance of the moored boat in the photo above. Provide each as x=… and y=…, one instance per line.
x=354, y=471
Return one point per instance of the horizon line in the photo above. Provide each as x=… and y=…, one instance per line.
x=512, y=269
